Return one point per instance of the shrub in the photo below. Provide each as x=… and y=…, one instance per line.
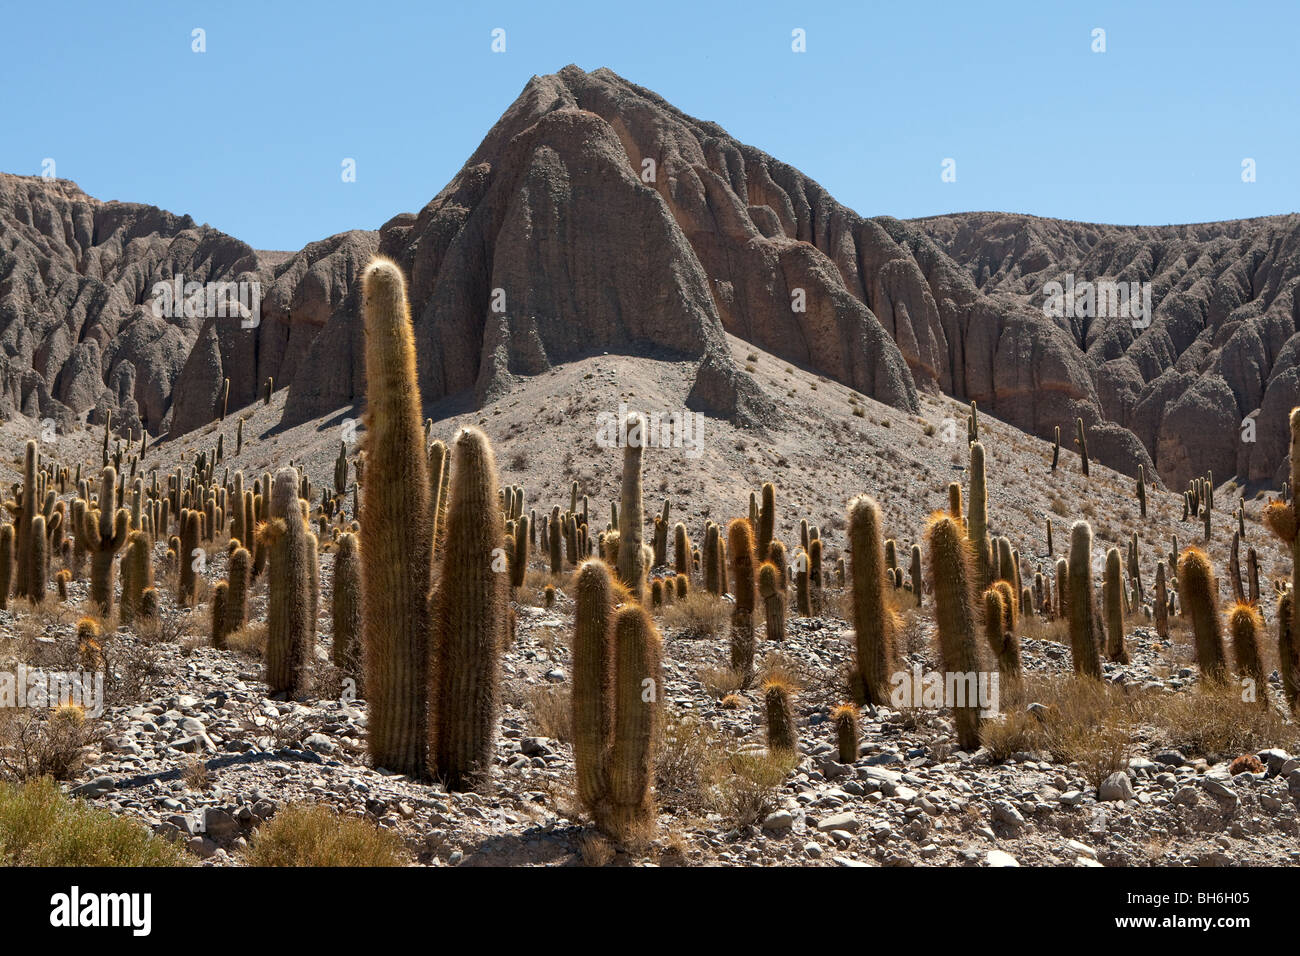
x=699, y=615
x=302, y=835
x=41, y=827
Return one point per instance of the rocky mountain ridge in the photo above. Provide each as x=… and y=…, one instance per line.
x=595, y=217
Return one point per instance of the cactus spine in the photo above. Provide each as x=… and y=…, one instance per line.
x=845, y=718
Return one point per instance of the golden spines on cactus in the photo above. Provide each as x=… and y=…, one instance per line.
x=396, y=530
x=683, y=585
x=469, y=620
x=845, y=718
x=952, y=580
x=1010, y=603
x=290, y=630
x=631, y=560
x=778, y=706
x=769, y=586
x=1199, y=593
x=954, y=502
x=1081, y=606
x=1112, y=589
x=1246, y=626
x=740, y=544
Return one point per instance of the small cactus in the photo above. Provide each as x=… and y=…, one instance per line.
x=845, y=718
x=778, y=705
x=769, y=586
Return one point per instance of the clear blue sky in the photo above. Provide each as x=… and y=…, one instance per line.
x=250, y=136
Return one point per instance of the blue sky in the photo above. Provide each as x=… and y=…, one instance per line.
x=250, y=136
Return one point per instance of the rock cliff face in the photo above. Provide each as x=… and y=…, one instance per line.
x=595, y=217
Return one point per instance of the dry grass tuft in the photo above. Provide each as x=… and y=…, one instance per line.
x=302, y=835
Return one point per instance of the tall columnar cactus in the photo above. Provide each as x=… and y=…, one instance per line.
x=1056, y=448
x=105, y=530
x=954, y=502
x=137, y=576
x=873, y=621
x=1112, y=588
x=191, y=534
x=952, y=583
x=1161, y=602
x=616, y=685
x=802, y=598
x=709, y=559
x=769, y=586
x=1288, y=652
x=346, y=608
x=914, y=572
x=778, y=705
x=469, y=620
x=1142, y=490
x=681, y=550
x=631, y=560
x=1199, y=594
x=740, y=542
x=1081, y=437
x=1082, y=610
x=1246, y=626
x=37, y=583
x=6, y=564
x=290, y=627
x=519, y=564
x=766, y=519
x=239, y=579
x=24, y=508
x=396, y=531
x=978, y=525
